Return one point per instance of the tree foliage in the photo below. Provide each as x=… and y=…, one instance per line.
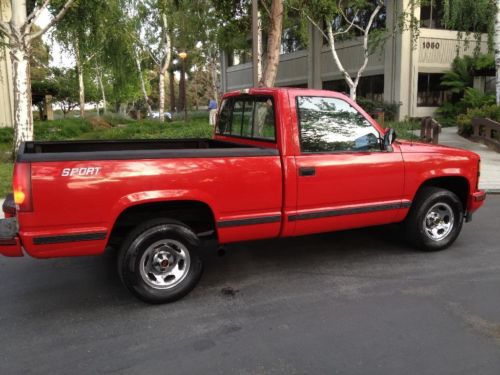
x=471, y=17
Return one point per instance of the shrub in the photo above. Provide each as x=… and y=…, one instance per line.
x=6, y=135
x=465, y=120
x=405, y=129
x=390, y=109
x=447, y=114
x=476, y=99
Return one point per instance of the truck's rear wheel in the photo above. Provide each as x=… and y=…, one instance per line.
x=435, y=219
x=158, y=261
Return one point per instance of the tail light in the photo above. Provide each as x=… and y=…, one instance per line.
x=22, y=187
x=478, y=173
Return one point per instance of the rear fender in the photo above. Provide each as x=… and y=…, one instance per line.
x=156, y=196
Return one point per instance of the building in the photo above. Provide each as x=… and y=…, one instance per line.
x=400, y=71
x=6, y=92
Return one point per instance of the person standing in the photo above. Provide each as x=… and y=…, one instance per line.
x=212, y=110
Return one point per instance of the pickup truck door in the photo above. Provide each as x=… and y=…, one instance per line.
x=345, y=179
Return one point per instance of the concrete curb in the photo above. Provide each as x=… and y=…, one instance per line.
x=492, y=191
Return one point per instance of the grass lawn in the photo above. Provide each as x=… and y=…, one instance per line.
x=5, y=178
x=109, y=127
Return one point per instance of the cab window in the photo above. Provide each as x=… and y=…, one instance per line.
x=332, y=125
x=247, y=117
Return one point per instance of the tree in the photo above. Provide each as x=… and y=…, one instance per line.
x=497, y=51
x=66, y=84
x=20, y=37
x=476, y=17
x=39, y=72
x=343, y=19
x=270, y=69
x=83, y=32
x=460, y=76
x=153, y=34
x=235, y=22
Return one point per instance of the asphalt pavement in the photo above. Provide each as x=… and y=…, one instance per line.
x=354, y=302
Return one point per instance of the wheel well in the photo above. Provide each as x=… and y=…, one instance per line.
x=458, y=185
x=197, y=215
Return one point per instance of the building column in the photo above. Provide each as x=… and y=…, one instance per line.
x=314, y=58
x=401, y=63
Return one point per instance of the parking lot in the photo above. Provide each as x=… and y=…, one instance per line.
x=355, y=302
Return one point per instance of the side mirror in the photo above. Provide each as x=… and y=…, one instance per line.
x=389, y=138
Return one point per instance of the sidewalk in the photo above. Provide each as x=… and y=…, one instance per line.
x=490, y=160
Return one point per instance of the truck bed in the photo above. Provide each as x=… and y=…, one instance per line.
x=136, y=149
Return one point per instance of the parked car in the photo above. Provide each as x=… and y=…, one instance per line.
x=282, y=162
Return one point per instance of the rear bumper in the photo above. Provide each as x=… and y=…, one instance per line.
x=10, y=244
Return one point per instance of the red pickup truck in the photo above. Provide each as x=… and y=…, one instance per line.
x=282, y=162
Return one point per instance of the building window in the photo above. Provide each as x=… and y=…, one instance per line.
x=431, y=14
x=371, y=87
x=430, y=92
x=237, y=57
x=291, y=40
x=294, y=86
x=294, y=35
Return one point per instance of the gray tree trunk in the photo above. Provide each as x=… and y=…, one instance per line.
x=273, y=45
x=497, y=51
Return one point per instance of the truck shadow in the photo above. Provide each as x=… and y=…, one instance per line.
x=92, y=283
x=329, y=252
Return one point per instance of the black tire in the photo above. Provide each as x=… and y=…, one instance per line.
x=418, y=228
x=169, y=240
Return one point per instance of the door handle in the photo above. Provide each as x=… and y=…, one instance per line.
x=307, y=171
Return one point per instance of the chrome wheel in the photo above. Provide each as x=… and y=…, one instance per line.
x=439, y=221
x=165, y=264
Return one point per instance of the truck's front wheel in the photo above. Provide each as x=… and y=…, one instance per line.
x=435, y=219
x=158, y=261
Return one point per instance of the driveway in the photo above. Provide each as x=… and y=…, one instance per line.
x=356, y=302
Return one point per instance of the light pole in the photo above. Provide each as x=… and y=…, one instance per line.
x=183, y=55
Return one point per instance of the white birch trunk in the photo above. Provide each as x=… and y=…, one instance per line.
x=81, y=84
x=353, y=84
x=103, y=92
x=338, y=63
x=143, y=85
x=19, y=55
x=23, y=116
x=163, y=68
x=18, y=31
x=213, y=77
x=497, y=51
x=161, y=99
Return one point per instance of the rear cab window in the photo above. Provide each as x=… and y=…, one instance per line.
x=250, y=117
